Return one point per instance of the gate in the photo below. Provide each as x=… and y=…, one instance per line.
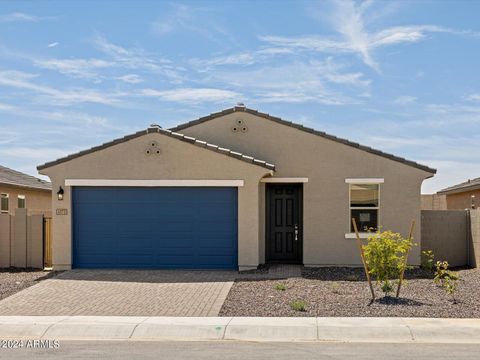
x=47, y=242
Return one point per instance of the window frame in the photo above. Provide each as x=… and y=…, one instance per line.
x=5, y=196
x=24, y=198
x=378, y=182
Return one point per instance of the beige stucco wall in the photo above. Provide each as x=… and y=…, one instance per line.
x=178, y=161
x=434, y=202
x=327, y=164
x=463, y=200
x=21, y=240
x=36, y=201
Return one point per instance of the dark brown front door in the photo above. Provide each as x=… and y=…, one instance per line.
x=284, y=223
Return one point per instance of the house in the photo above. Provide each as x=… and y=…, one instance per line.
x=19, y=190
x=462, y=196
x=234, y=189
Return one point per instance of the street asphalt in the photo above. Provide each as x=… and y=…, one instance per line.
x=213, y=350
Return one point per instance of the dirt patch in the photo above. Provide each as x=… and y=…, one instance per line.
x=345, y=292
x=14, y=280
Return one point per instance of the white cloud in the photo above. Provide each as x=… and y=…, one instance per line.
x=21, y=80
x=180, y=16
x=81, y=68
x=35, y=153
x=191, y=95
x=349, y=20
x=405, y=100
x=473, y=97
x=52, y=45
x=297, y=82
x=234, y=59
x=242, y=58
x=131, y=58
x=130, y=78
x=138, y=59
x=194, y=20
x=17, y=16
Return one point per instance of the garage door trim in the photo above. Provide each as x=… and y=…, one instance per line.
x=154, y=183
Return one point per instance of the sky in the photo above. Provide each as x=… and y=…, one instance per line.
x=399, y=76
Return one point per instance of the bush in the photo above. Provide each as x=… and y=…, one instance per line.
x=446, y=278
x=428, y=260
x=385, y=255
x=298, y=305
x=280, y=287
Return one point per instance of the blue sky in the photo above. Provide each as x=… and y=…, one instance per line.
x=402, y=76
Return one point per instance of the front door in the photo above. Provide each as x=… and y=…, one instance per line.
x=284, y=223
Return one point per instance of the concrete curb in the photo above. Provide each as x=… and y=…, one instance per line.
x=386, y=330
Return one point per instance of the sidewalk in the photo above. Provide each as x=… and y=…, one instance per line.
x=386, y=330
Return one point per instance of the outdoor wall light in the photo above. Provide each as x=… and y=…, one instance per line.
x=60, y=193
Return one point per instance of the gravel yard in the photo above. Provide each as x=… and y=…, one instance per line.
x=15, y=280
x=345, y=292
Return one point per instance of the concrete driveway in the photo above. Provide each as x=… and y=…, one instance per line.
x=124, y=293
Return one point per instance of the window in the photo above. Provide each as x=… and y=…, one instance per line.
x=4, y=203
x=21, y=201
x=364, y=205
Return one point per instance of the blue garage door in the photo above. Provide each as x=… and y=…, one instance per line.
x=182, y=228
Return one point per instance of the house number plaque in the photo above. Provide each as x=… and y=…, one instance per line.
x=62, y=212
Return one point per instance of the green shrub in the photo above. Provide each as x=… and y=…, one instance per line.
x=446, y=278
x=428, y=260
x=298, y=305
x=280, y=287
x=385, y=256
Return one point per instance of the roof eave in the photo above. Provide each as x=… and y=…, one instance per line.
x=196, y=142
x=308, y=130
x=6, y=183
x=459, y=190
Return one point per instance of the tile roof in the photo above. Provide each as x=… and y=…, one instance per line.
x=306, y=129
x=470, y=184
x=175, y=135
x=16, y=178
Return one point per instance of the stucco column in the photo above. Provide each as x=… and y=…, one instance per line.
x=61, y=229
x=248, y=226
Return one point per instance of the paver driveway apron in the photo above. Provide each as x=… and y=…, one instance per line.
x=124, y=293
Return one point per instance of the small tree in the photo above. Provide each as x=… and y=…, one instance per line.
x=385, y=255
x=428, y=260
x=446, y=278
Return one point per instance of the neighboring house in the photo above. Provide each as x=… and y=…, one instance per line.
x=463, y=196
x=434, y=202
x=284, y=193
x=19, y=190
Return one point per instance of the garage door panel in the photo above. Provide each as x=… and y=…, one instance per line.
x=191, y=228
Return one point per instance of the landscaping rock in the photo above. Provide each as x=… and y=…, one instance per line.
x=333, y=291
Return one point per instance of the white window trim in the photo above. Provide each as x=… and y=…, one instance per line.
x=155, y=183
x=364, y=181
x=8, y=203
x=24, y=200
x=284, y=180
x=362, y=234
